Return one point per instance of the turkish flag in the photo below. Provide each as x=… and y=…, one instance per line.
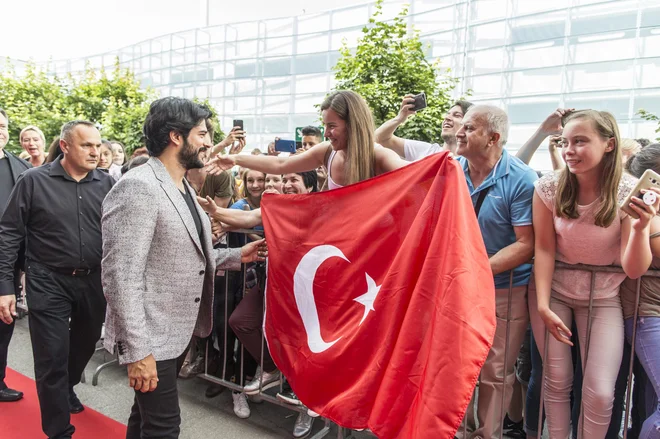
x=380, y=300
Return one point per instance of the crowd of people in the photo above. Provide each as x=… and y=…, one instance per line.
x=147, y=247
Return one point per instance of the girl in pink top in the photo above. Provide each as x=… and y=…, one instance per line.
x=577, y=220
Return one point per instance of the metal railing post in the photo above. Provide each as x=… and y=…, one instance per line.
x=539, y=429
x=586, y=349
x=632, y=358
x=506, y=353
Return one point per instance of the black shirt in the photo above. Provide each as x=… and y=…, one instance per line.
x=193, y=211
x=6, y=182
x=60, y=217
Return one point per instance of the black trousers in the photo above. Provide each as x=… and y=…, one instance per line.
x=156, y=414
x=6, y=332
x=66, y=316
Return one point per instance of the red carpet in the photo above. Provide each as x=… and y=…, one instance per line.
x=22, y=419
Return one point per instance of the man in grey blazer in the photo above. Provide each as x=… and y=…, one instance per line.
x=159, y=265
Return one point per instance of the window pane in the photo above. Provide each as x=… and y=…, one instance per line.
x=277, y=28
x=616, y=103
x=486, y=61
x=313, y=23
x=278, y=46
x=545, y=54
x=531, y=111
x=609, y=46
x=487, y=35
x=609, y=17
x=487, y=9
x=310, y=83
x=277, y=67
x=311, y=63
x=486, y=86
x=313, y=43
x=538, y=28
x=612, y=75
x=540, y=81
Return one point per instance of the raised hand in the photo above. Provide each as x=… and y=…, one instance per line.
x=645, y=207
x=406, y=110
x=238, y=146
x=552, y=124
x=271, y=147
x=220, y=163
x=554, y=142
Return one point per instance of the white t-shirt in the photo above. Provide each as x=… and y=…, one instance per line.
x=416, y=150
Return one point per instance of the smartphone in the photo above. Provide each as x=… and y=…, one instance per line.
x=420, y=101
x=648, y=180
x=285, y=146
x=238, y=123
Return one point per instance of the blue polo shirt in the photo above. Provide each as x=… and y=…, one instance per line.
x=507, y=204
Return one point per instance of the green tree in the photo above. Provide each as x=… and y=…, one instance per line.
x=115, y=102
x=218, y=134
x=390, y=62
x=653, y=118
x=31, y=99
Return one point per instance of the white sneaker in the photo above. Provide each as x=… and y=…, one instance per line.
x=241, y=407
x=312, y=413
x=264, y=379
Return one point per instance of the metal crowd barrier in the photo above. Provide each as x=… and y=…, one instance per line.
x=593, y=270
x=325, y=431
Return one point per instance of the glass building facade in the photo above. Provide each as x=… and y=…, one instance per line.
x=527, y=56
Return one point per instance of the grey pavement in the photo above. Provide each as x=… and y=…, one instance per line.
x=202, y=418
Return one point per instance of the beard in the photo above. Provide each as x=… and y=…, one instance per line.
x=189, y=157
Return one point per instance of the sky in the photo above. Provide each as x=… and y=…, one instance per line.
x=59, y=29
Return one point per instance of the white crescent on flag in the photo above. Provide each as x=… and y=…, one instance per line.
x=303, y=288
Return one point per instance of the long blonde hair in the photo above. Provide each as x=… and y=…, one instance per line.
x=566, y=201
x=360, y=155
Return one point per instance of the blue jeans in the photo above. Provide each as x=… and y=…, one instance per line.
x=647, y=349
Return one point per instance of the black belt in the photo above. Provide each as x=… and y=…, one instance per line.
x=76, y=272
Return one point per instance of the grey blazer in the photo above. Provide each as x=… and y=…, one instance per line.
x=157, y=276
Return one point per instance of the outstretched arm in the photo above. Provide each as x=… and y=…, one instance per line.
x=309, y=161
x=244, y=219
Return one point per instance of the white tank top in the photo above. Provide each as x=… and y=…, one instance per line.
x=331, y=183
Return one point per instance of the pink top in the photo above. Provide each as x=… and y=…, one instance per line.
x=580, y=241
x=331, y=184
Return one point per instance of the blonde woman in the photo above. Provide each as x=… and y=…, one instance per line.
x=629, y=147
x=350, y=156
x=34, y=143
x=577, y=220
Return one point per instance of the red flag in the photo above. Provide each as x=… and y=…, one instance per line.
x=380, y=300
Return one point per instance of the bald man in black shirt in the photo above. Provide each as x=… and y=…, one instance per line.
x=57, y=207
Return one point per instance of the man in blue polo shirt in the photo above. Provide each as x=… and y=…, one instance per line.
x=501, y=187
